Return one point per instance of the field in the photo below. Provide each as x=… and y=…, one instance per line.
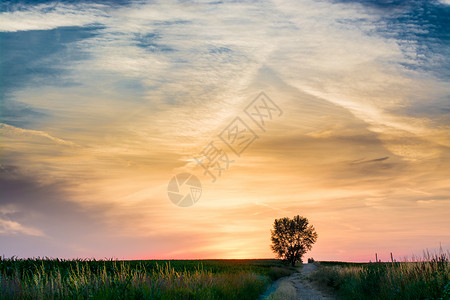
x=147, y=279
x=424, y=278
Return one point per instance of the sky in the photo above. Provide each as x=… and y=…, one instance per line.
x=335, y=110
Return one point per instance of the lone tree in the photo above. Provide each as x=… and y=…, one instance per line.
x=291, y=238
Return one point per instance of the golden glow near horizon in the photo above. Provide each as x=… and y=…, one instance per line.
x=110, y=102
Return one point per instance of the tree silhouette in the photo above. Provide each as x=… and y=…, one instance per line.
x=291, y=238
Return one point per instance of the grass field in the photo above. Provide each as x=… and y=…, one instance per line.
x=149, y=279
x=425, y=278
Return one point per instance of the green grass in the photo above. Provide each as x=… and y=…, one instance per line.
x=427, y=278
x=149, y=279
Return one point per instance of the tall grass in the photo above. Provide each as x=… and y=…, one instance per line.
x=424, y=278
x=78, y=279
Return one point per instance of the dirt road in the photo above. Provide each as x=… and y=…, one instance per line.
x=304, y=289
x=295, y=287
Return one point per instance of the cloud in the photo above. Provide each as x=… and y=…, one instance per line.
x=370, y=160
x=8, y=227
x=51, y=16
x=46, y=210
x=12, y=131
x=19, y=114
x=142, y=88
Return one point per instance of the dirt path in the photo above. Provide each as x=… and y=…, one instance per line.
x=296, y=282
x=304, y=289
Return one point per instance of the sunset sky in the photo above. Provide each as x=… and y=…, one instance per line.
x=102, y=103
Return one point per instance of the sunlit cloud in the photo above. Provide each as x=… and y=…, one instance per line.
x=8, y=130
x=50, y=16
x=103, y=104
x=8, y=227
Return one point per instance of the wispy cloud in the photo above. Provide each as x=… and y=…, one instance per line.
x=11, y=131
x=363, y=161
x=8, y=227
x=121, y=100
x=50, y=16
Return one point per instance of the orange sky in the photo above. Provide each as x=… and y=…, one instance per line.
x=106, y=114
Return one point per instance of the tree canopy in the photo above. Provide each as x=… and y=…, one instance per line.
x=292, y=238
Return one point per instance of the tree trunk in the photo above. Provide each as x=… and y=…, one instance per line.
x=293, y=263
